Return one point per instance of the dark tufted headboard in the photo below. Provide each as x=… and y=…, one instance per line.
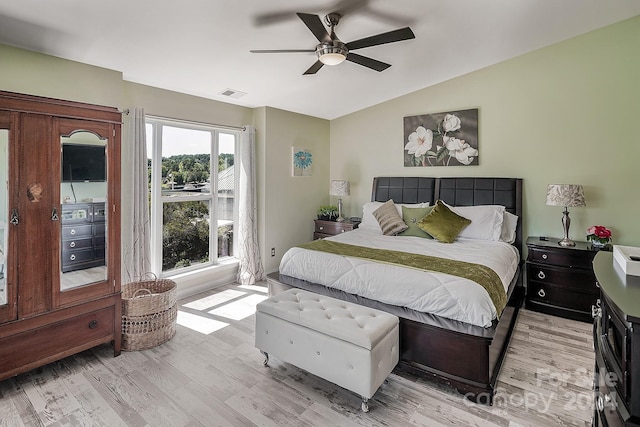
x=454, y=191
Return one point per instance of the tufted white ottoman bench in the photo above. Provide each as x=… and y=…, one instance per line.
x=353, y=346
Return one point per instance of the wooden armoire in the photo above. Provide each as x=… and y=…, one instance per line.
x=50, y=163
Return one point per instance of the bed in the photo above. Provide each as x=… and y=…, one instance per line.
x=464, y=353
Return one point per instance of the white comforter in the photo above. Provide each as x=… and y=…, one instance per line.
x=437, y=293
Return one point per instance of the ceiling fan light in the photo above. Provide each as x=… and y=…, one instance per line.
x=332, y=53
x=332, y=58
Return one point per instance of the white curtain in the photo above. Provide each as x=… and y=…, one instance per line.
x=135, y=217
x=250, y=270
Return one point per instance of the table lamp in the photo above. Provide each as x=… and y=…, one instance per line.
x=565, y=195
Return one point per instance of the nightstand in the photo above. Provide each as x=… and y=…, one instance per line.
x=331, y=228
x=560, y=280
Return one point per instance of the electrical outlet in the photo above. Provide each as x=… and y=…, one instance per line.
x=273, y=251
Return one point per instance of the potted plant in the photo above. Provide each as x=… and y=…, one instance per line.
x=327, y=212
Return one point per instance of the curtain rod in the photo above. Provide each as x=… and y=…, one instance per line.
x=169, y=119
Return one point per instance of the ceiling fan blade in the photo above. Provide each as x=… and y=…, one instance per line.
x=383, y=38
x=282, y=50
x=314, y=68
x=374, y=64
x=314, y=23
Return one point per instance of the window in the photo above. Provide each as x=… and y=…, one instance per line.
x=192, y=185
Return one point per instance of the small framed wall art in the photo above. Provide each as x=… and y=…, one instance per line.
x=301, y=162
x=441, y=139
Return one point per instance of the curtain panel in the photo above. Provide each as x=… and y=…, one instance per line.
x=135, y=218
x=250, y=269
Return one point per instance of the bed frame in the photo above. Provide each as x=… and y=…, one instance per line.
x=463, y=356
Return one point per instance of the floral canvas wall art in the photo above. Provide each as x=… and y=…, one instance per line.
x=441, y=139
x=302, y=161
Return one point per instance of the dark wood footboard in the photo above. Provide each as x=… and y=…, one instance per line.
x=463, y=356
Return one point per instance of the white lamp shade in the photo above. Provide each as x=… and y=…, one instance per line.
x=568, y=195
x=339, y=188
x=332, y=58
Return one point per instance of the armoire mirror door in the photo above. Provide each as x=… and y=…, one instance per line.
x=83, y=192
x=84, y=216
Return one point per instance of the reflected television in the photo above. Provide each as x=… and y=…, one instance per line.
x=83, y=163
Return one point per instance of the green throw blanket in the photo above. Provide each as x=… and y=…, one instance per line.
x=481, y=274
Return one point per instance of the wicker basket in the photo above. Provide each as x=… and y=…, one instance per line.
x=149, y=313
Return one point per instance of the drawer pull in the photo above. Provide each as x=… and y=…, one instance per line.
x=321, y=228
x=93, y=324
x=73, y=231
x=342, y=231
x=600, y=404
x=72, y=257
x=72, y=244
x=541, y=275
x=544, y=256
x=597, y=285
x=542, y=293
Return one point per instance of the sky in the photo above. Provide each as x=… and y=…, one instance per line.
x=188, y=141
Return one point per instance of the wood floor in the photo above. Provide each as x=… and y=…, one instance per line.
x=210, y=374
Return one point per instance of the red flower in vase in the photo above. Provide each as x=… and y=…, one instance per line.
x=599, y=234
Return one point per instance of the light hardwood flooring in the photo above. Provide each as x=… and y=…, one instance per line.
x=210, y=374
x=72, y=279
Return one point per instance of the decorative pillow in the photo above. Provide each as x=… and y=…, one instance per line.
x=411, y=216
x=369, y=222
x=486, y=221
x=389, y=220
x=509, y=225
x=442, y=223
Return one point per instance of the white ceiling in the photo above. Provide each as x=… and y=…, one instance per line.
x=201, y=47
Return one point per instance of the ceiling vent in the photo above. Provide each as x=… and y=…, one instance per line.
x=232, y=93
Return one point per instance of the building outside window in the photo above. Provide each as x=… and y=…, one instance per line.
x=192, y=186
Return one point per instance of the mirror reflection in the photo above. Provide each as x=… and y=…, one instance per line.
x=83, y=219
x=4, y=212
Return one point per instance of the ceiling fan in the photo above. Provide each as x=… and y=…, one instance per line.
x=332, y=51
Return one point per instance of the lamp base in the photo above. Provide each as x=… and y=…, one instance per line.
x=566, y=242
x=340, y=218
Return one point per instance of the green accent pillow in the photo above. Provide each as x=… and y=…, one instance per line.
x=443, y=224
x=411, y=216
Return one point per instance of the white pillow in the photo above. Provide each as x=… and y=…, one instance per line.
x=509, y=225
x=486, y=221
x=370, y=222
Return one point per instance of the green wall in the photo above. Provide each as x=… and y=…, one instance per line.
x=288, y=204
x=567, y=113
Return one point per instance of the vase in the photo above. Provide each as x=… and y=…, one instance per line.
x=599, y=245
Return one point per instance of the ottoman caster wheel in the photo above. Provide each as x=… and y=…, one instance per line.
x=265, y=362
x=365, y=404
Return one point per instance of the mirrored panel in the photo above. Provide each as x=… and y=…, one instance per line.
x=4, y=212
x=83, y=219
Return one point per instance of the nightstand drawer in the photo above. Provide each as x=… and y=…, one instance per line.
x=562, y=277
x=565, y=258
x=557, y=296
x=332, y=228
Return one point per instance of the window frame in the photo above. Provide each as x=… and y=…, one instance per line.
x=157, y=203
